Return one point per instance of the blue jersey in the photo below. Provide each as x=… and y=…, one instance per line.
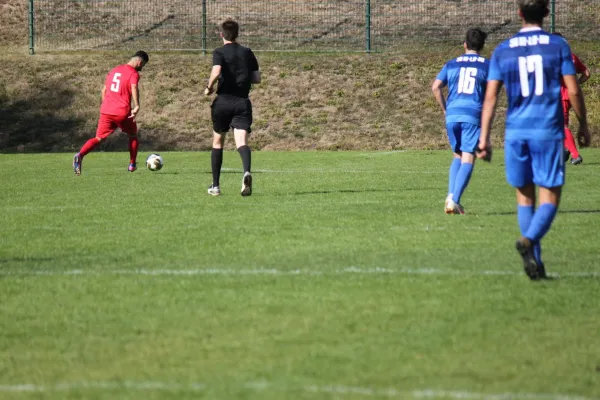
x=531, y=65
x=466, y=77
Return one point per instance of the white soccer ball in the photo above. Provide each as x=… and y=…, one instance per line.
x=154, y=162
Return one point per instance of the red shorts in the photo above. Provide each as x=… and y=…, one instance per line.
x=107, y=124
x=566, y=109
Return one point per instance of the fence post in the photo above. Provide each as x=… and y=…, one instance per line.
x=31, y=29
x=204, y=27
x=368, y=25
x=552, y=16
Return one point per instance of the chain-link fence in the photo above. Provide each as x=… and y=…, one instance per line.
x=288, y=25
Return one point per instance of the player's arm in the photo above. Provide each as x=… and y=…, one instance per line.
x=582, y=69
x=135, y=95
x=103, y=92
x=253, y=66
x=255, y=77
x=436, y=88
x=585, y=75
x=488, y=112
x=578, y=104
x=215, y=72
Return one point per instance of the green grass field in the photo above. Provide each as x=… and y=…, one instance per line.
x=339, y=278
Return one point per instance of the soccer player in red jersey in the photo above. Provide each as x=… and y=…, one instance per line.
x=120, y=88
x=570, y=146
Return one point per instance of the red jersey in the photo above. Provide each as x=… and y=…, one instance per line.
x=579, y=69
x=117, y=100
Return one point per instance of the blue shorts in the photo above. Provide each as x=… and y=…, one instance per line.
x=534, y=161
x=463, y=136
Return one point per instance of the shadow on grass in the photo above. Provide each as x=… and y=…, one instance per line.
x=559, y=211
x=337, y=191
x=240, y=172
x=41, y=118
x=35, y=121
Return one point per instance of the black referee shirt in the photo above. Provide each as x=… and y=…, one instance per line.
x=237, y=64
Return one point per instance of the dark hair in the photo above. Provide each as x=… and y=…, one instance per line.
x=230, y=30
x=475, y=39
x=534, y=11
x=143, y=55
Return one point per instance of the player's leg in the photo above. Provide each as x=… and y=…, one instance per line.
x=548, y=174
x=540, y=222
x=528, y=250
x=241, y=143
x=570, y=144
x=221, y=114
x=129, y=126
x=106, y=126
x=242, y=123
x=576, y=158
x=216, y=162
x=469, y=140
x=463, y=177
x=133, y=151
x=453, y=132
x=449, y=204
x=519, y=174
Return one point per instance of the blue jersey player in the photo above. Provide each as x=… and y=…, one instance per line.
x=531, y=65
x=466, y=78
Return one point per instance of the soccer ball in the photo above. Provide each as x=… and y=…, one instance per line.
x=154, y=162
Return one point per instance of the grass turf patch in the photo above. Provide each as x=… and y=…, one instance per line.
x=340, y=277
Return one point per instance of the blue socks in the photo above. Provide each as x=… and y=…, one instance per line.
x=541, y=222
x=454, y=167
x=462, y=180
x=525, y=215
x=534, y=225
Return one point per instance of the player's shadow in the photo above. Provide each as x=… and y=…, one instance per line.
x=37, y=119
x=234, y=172
x=550, y=278
x=346, y=191
x=338, y=191
x=501, y=213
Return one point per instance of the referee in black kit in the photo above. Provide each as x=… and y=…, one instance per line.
x=236, y=69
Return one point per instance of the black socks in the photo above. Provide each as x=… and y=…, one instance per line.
x=216, y=160
x=246, y=157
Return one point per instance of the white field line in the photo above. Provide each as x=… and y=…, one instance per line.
x=265, y=386
x=283, y=272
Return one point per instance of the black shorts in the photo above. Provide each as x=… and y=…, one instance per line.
x=231, y=112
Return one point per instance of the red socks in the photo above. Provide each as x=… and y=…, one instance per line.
x=88, y=146
x=133, y=149
x=570, y=143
